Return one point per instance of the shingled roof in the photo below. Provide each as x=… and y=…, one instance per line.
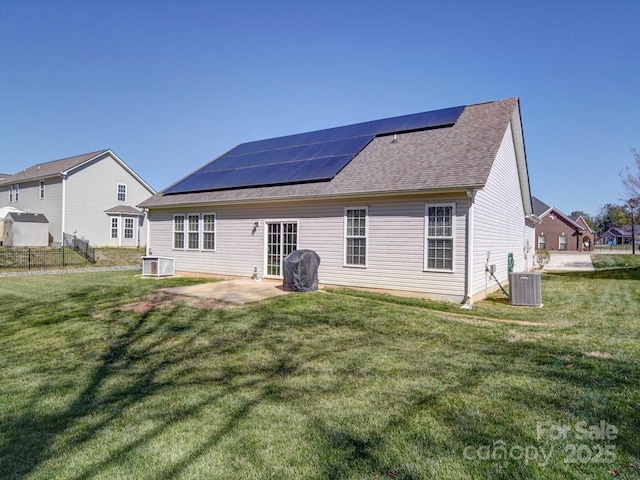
x=50, y=169
x=539, y=207
x=441, y=159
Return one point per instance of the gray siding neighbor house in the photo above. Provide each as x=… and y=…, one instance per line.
x=92, y=196
x=410, y=204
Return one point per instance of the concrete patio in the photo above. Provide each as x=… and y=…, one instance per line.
x=242, y=290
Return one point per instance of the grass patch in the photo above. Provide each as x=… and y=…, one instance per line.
x=615, y=261
x=103, y=377
x=111, y=257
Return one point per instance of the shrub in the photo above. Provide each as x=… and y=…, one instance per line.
x=542, y=257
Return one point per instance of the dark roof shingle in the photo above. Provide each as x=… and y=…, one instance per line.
x=48, y=169
x=456, y=157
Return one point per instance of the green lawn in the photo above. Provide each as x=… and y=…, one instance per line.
x=104, y=377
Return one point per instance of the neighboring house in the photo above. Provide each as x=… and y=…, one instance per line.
x=93, y=196
x=620, y=235
x=21, y=229
x=426, y=203
x=557, y=231
x=588, y=235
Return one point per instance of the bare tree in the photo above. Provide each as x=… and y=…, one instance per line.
x=631, y=181
x=631, y=176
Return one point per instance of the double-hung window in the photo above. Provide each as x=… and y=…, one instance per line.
x=114, y=227
x=542, y=242
x=178, y=231
x=11, y=193
x=208, y=231
x=122, y=192
x=439, y=235
x=562, y=242
x=193, y=231
x=41, y=189
x=128, y=227
x=355, y=236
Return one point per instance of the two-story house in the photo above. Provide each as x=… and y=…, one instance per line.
x=92, y=196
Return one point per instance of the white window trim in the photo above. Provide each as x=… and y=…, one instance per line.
x=264, y=223
x=42, y=191
x=366, y=237
x=544, y=241
x=133, y=228
x=117, y=228
x=173, y=231
x=16, y=192
x=10, y=193
x=118, y=192
x=202, y=232
x=566, y=243
x=452, y=237
x=185, y=219
x=188, y=232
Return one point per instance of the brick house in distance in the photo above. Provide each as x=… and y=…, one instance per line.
x=558, y=231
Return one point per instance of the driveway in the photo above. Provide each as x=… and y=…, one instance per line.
x=569, y=261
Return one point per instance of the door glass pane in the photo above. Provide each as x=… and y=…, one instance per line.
x=273, y=249
x=282, y=239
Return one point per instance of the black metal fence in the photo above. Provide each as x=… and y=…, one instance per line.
x=79, y=245
x=37, y=258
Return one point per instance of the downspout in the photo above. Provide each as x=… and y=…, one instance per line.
x=146, y=221
x=471, y=195
x=64, y=205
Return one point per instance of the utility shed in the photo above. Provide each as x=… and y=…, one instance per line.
x=25, y=230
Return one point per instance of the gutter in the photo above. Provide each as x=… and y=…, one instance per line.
x=63, y=175
x=198, y=203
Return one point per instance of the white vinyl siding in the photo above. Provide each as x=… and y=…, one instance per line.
x=50, y=207
x=439, y=237
x=500, y=227
x=355, y=236
x=395, y=241
x=89, y=192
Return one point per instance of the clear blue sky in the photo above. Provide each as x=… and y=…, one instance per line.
x=169, y=85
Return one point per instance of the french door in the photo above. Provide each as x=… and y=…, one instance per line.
x=282, y=239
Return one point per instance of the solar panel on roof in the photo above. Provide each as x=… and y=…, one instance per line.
x=305, y=157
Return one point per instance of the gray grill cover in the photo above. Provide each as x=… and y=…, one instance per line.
x=300, y=271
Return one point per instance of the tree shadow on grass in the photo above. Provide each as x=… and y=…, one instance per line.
x=161, y=349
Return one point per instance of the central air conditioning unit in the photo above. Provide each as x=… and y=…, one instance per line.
x=525, y=289
x=157, y=266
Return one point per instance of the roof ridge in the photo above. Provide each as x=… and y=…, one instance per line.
x=92, y=154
